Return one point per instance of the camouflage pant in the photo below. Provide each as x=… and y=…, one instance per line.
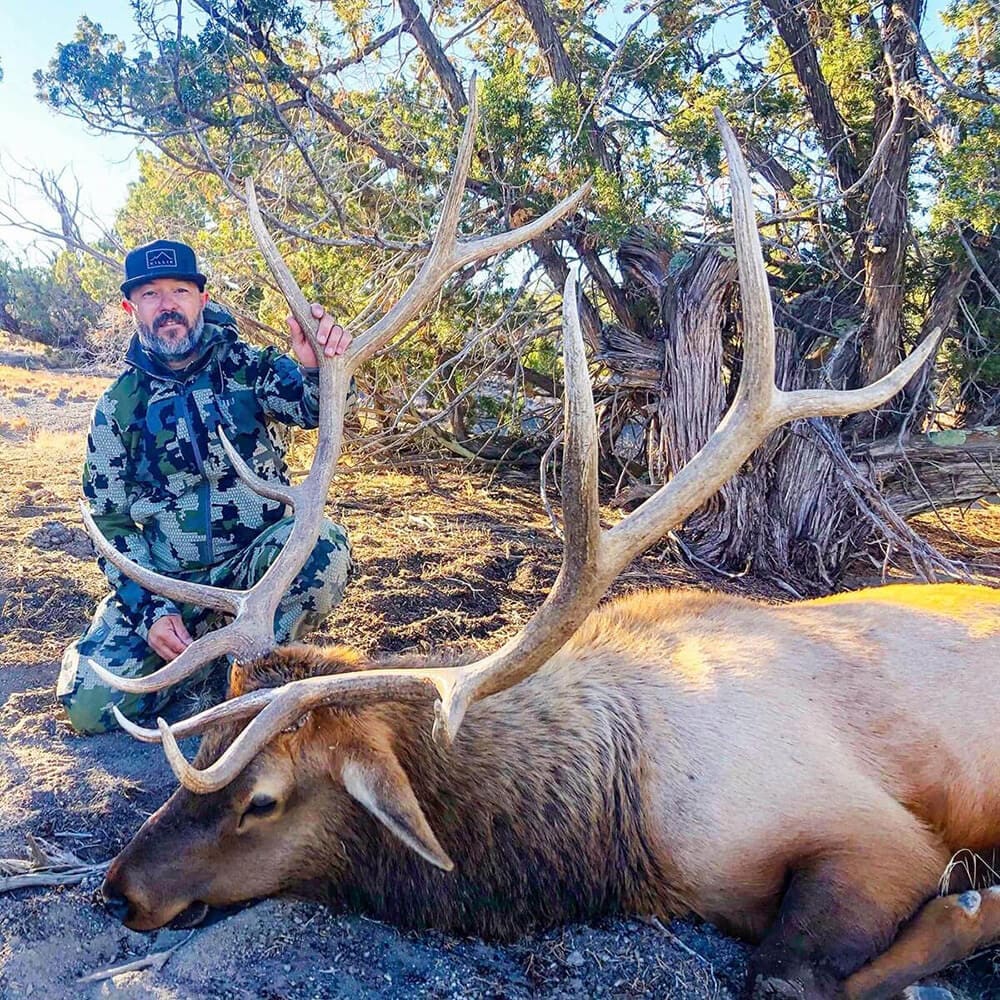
x=112, y=642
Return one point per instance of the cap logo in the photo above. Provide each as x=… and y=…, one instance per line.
x=161, y=258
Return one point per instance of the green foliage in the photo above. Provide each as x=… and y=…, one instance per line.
x=967, y=174
x=47, y=304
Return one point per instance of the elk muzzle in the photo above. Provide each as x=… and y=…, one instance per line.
x=115, y=903
x=144, y=908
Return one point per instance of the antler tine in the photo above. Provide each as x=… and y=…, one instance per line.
x=593, y=558
x=238, y=637
x=270, y=488
x=583, y=577
x=308, y=497
x=757, y=376
x=842, y=402
x=447, y=253
x=284, y=706
x=445, y=256
x=248, y=635
x=177, y=590
x=279, y=269
x=759, y=407
x=435, y=268
x=757, y=379
x=252, y=631
x=455, y=688
x=245, y=707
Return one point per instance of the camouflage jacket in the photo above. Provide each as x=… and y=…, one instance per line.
x=160, y=486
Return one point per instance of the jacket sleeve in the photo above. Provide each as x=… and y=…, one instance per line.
x=289, y=392
x=110, y=489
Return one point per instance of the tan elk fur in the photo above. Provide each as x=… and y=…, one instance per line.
x=684, y=752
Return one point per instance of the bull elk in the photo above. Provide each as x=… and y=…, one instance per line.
x=799, y=775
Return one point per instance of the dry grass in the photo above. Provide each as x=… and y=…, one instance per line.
x=56, y=386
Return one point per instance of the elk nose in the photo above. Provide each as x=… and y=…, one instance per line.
x=115, y=903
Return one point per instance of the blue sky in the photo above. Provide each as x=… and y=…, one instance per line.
x=34, y=137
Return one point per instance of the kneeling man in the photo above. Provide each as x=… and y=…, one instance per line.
x=163, y=491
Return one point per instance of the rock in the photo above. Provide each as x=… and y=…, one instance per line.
x=53, y=535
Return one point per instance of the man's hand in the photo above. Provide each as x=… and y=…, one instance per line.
x=334, y=338
x=168, y=637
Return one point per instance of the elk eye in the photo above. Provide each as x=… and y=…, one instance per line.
x=260, y=805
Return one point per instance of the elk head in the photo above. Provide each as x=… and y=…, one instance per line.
x=285, y=821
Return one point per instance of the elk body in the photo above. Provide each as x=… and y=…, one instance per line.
x=799, y=775
x=683, y=753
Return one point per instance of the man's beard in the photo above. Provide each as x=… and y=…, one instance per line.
x=172, y=350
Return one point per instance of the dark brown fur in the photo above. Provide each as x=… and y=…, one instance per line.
x=507, y=880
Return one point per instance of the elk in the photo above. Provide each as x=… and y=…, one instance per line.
x=799, y=774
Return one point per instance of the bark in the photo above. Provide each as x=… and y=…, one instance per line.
x=416, y=24
x=985, y=409
x=563, y=71
x=802, y=507
x=918, y=397
x=556, y=269
x=693, y=396
x=561, y=67
x=611, y=291
x=766, y=164
x=793, y=26
x=886, y=225
x=939, y=469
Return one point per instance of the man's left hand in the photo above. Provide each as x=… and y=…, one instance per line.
x=333, y=338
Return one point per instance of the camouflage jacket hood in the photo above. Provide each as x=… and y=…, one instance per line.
x=160, y=485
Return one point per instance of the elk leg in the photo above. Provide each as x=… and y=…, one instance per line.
x=838, y=913
x=946, y=930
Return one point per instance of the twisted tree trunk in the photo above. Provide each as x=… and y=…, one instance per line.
x=806, y=503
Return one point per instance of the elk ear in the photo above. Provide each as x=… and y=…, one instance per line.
x=378, y=782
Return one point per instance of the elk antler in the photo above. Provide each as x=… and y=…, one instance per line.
x=251, y=633
x=592, y=558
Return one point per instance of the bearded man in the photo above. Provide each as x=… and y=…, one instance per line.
x=163, y=491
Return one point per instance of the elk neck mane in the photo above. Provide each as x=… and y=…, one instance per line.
x=562, y=759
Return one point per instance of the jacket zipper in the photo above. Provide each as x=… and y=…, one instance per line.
x=205, y=490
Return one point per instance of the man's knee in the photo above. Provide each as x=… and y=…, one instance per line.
x=86, y=700
x=326, y=574
x=319, y=587
x=88, y=713
x=331, y=562
x=82, y=703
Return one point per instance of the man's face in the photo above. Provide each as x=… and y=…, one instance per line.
x=168, y=317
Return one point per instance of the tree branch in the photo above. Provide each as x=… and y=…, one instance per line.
x=917, y=39
x=793, y=28
x=416, y=24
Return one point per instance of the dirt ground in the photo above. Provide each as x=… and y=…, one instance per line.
x=445, y=558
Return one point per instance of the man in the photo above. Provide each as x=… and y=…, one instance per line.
x=163, y=491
